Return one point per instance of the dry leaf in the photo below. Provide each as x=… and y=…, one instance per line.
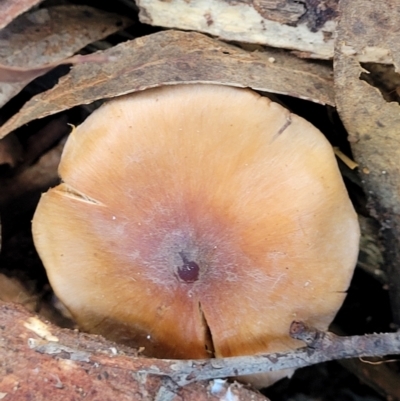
x=368, y=32
x=173, y=57
x=305, y=26
x=10, y=151
x=38, y=170
x=12, y=290
x=38, y=41
x=10, y=9
x=20, y=74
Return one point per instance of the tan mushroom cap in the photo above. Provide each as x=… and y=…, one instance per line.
x=196, y=220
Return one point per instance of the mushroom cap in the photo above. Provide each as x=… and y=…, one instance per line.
x=198, y=220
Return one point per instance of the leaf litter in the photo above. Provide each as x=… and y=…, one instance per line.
x=175, y=57
x=40, y=40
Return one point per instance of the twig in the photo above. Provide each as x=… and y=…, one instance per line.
x=321, y=347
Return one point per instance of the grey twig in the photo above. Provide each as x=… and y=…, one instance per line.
x=321, y=347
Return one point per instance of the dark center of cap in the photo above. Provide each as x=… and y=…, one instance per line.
x=189, y=271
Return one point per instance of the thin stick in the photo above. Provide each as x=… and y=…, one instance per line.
x=321, y=347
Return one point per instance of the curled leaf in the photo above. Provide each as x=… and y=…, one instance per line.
x=174, y=57
x=40, y=40
x=10, y=9
x=21, y=74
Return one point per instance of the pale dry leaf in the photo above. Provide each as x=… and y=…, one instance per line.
x=368, y=32
x=41, y=39
x=174, y=57
x=307, y=27
x=10, y=9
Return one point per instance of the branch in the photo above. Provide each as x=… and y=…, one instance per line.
x=321, y=347
x=76, y=359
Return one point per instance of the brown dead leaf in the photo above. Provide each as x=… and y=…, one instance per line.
x=368, y=32
x=20, y=74
x=10, y=151
x=305, y=26
x=38, y=170
x=37, y=41
x=10, y=9
x=174, y=57
x=11, y=290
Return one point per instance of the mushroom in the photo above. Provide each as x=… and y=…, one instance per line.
x=198, y=221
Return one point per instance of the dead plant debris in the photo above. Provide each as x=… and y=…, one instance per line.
x=227, y=45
